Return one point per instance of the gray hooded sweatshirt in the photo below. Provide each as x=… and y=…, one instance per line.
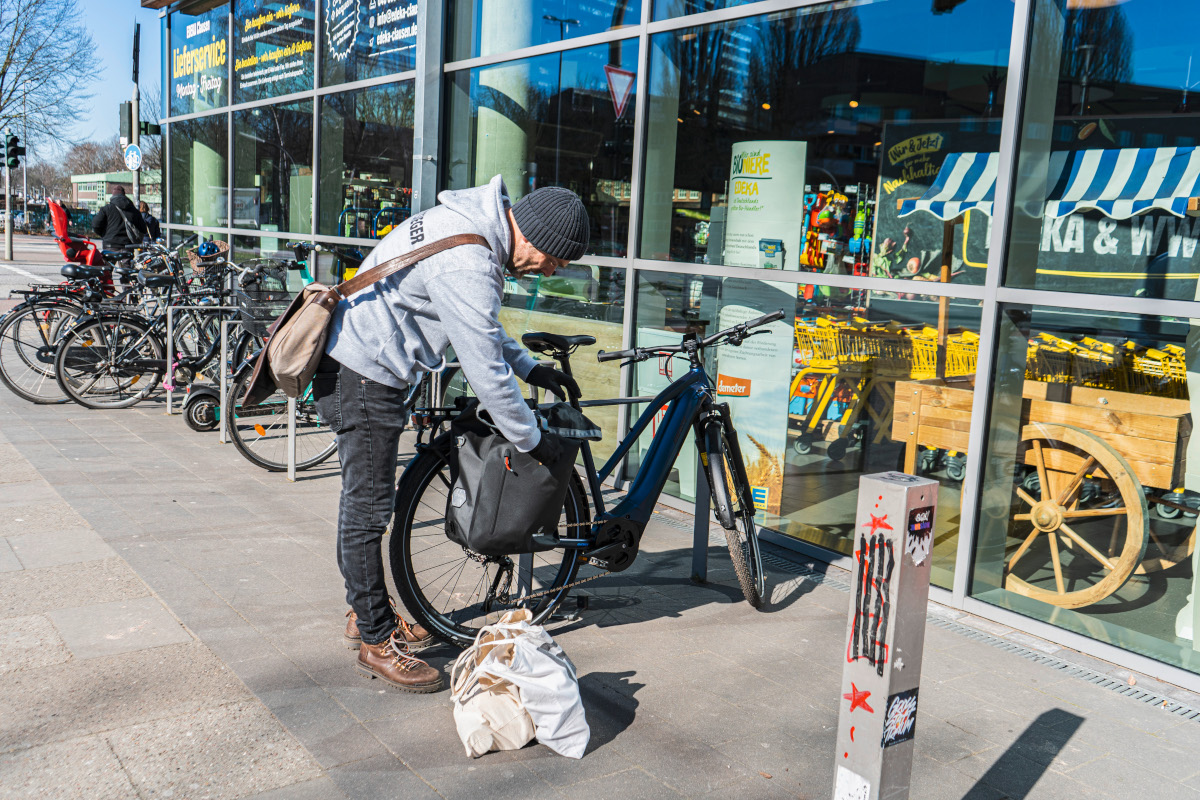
x=400, y=326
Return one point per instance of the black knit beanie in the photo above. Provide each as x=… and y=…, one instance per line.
x=554, y=221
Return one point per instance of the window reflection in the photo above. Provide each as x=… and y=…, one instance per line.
x=484, y=27
x=272, y=48
x=199, y=180
x=777, y=141
x=363, y=40
x=199, y=60
x=366, y=160
x=272, y=168
x=564, y=119
x=1109, y=169
x=1091, y=493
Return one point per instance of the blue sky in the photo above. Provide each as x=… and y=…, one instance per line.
x=110, y=23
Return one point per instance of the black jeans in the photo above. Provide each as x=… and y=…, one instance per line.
x=368, y=418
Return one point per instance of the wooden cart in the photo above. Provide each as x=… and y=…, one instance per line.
x=1090, y=454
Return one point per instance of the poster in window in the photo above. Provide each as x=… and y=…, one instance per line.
x=273, y=48
x=763, y=221
x=367, y=39
x=199, y=66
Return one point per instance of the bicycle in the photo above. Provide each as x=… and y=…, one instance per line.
x=453, y=592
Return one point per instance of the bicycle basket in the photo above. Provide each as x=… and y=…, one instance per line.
x=200, y=263
x=259, y=306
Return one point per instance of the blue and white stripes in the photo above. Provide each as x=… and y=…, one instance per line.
x=1119, y=183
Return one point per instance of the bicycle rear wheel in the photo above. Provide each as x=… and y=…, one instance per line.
x=735, y=510
x=28, y=341
x=110, y=362
x=261, y=433
x=451, y=590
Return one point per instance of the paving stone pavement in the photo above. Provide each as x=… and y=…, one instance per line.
x=170, y=626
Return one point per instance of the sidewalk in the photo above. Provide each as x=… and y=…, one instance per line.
x=171, y=626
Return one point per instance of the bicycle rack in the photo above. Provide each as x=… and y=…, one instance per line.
x=171, y=346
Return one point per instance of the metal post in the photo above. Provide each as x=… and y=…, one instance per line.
x=135, y=112
x=700, y=529
x=169, y=378
x=877, y=717
x=25, y=160
x=8, y=244
x=291, y=446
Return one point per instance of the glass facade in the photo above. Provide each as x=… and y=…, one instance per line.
x=977, y=215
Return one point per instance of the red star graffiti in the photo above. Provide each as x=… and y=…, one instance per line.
x=857, y=699
x=878, y=522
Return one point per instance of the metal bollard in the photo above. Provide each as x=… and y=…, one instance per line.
x=291, y=439
x=893, y=540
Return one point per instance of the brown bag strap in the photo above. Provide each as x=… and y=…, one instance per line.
x=380, y=271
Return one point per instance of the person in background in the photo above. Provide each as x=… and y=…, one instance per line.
x=119, y=224
x=152, y=227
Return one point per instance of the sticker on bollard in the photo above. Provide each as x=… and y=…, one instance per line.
x=877, y=719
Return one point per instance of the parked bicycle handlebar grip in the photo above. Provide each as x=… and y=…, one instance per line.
x=764, y=319
x=616, y=355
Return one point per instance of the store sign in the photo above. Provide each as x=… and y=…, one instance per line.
x=273, y=47
x=199, y=59
x=387, y=26
x=755, y=379
x=765, y=210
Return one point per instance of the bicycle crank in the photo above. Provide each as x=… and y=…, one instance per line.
x=616, y=544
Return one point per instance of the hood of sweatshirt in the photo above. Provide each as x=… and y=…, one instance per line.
x=485, y=208
x=123, y=202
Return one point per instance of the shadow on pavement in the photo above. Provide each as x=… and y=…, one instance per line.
x=611, y=706
x=1027, y=759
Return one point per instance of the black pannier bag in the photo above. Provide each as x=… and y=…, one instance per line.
x=502, y=497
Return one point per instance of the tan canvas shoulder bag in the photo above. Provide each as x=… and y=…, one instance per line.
x=297, y=338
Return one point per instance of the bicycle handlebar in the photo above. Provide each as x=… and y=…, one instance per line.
x=735, y=334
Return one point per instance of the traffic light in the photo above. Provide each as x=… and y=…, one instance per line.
x=149, y=129
x=13, y=151
x=126, y=127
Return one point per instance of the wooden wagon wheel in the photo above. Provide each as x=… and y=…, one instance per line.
x=1064, y=456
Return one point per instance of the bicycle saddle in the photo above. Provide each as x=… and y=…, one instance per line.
x=80, y=271
x=155, y=281
x=547, y=343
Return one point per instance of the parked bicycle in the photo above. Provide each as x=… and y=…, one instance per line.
x=453, y=591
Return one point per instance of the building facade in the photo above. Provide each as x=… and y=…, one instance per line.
x=980, y=217
x=92, y=191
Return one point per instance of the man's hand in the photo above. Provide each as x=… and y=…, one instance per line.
x=548, y=448
x=553, y=380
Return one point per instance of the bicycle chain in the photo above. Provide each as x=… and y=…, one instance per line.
x=572, y=584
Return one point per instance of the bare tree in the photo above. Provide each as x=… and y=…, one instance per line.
x=50, y=177
x=152, y=147
x=86, y=158
x=47, y=57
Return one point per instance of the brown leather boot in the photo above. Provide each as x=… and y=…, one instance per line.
x=415, y=636
x=390, y=662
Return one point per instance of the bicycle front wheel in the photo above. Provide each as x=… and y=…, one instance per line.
x=452, y=591
x=735, y=510
x=109, y=363
x=261, y=433
x=29, y=338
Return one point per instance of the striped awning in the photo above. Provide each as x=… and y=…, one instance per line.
x=1118, y=183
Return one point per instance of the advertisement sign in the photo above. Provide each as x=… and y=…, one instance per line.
x=765, y=205
x=199, y=59
x=755, y=379
x=273, y=48
x=366, y=38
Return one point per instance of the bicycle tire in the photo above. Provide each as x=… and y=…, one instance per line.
x=265, y=445
x=423, y=488
x=732, y=498
x=27, y=350
x=92, y=384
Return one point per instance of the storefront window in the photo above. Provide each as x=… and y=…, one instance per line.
x=577, y=299
x=367, y=40
x=366, y=160
x=564, y=119
x=811, y=139
x=850, y=383
x=1088, y=517
x=1109, y=171
x=199, y=177
x=199, y=65
x=272, y=168
x=272, y=48
x=484, y=27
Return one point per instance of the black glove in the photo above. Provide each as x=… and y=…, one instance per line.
x=553, y=380
x=548, y=448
